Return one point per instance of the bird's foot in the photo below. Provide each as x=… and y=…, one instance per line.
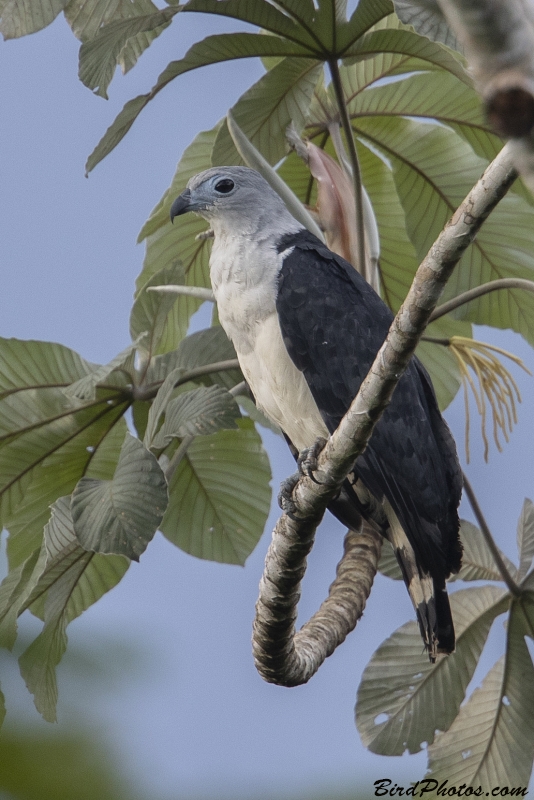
x=285, y=496
x=308, y=458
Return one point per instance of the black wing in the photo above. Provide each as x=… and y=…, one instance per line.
x=333, y=324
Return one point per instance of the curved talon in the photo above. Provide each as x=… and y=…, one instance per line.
x=285, y=496
x=307, y=460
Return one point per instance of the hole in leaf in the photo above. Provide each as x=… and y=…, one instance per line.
x=466, y=753
x=505, y=701
x=380, y=718
x=90, y=448
x=417, y=676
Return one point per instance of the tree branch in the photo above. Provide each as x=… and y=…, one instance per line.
x=293, y=538
x=478, y=291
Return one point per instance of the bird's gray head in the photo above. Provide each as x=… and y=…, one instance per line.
x=236, y=200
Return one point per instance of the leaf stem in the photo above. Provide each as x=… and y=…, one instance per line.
x=355, y=164
x=477, y=511
x=149, y=392
x=478, y=291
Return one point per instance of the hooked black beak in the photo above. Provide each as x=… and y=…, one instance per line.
x=181, y=204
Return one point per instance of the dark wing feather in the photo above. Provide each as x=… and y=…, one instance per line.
x=333, y=324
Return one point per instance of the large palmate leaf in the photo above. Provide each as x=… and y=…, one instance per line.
x=94, y=453
x=404, y=42
x=35, y=365
x=491, y=742
x=71, y=580
x=257, y=12
x=281, y=96
x=403, y=698
x=20, y=17
x=100, y=56
x=212, y=50
x=434, y=169
x=219, y=496
x=121, y=515
x=44, y=422
x=26, y=531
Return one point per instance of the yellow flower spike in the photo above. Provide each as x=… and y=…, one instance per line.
x=496, y=385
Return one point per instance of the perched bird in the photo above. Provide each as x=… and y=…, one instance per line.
x=306, y=328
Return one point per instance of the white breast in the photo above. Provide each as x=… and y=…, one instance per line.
x=244, y=277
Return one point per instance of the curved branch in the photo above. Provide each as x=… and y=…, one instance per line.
x=288, y=658
x=293, y=537
x=478, y=291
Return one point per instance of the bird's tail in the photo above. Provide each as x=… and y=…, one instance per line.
x=428, y=594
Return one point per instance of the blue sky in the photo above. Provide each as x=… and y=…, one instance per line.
x=188, y=714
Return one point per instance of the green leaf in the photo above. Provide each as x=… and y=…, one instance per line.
x=254, y=159
x=408, y=44
x=71, y=581
x=418, y=697
x=151, y=310
x=200, y=412
x=434, y=170
x=478, y=563
x=302, y=11
x=281, y=96
x=159, y=405
x=219, y=496
x=34, y=365
x=212, y=50
x=93, y=452
x=121, y=515
x=427, y=19
x=367, y=14
x=85, y=388
x=87, y=17
x=437, y=94
x=491, y=742
x=100, y=56
x=167, y=245
x=20, y=17
x=50, y=425
x=260, y=13
x=525, y=538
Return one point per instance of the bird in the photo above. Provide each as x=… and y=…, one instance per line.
x=306, y=328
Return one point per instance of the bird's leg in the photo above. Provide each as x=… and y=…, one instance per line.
x=307, y=460
x=285, y=495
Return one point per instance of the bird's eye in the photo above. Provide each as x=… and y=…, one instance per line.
x=224, y=186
